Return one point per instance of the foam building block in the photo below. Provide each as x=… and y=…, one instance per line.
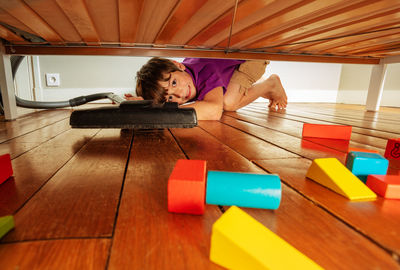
x=327, y=131
x=387, y=186
x=362, y=164
x=5, y=167
x=392, y=149
x=238, y=241
x=341, y=145
x=6, y=224
x=243, y=189
x=332, y=174
x=186, y=187
x=352, y=149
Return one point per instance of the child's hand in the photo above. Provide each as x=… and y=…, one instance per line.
x=130, y=97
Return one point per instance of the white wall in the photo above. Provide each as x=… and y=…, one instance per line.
x=307, y=82
x=304, y=82
x=354, y=83
x=83, y=75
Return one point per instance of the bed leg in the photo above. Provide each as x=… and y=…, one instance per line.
x=7, y=86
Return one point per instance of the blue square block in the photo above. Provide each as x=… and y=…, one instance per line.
x=362, y=164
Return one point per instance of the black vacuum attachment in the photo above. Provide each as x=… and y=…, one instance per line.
x=138, y=114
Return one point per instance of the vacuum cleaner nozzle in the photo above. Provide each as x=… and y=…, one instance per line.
x=138, y=114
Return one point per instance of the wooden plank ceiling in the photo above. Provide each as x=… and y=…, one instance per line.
x=361, y=30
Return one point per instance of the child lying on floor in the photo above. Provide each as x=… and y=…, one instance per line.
x=214, y=85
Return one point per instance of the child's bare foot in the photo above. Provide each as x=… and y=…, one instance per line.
x=275, y=93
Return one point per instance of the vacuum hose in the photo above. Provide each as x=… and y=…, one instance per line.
x=60, y=104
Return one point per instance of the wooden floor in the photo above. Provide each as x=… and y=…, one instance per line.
x=96, y=199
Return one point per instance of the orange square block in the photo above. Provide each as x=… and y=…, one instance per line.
x=5, y=167
x=327, y=131
x=387, y=186
x=393, y=149
x=187, y=187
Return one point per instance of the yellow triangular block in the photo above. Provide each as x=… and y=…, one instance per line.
x=238, y=241
x=332, y=174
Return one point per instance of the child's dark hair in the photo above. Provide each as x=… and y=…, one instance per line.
x=149, y=76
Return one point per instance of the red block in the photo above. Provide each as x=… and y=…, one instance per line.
x=187, y=187
x=5, y=167
x=387, y=186
x=327, y=131
x=393, y=149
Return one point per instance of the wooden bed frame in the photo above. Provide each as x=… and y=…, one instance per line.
x=333, y=31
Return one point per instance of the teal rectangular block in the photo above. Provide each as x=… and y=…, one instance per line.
x=6, y=224
x=243, y=189
x=362, y=164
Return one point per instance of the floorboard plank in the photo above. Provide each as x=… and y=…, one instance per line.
x=350, y=111
x=290, y=143
x=295, y=128
x=57, y=254
x=35, y=167
x=244, y=143
x=147, y=236
x=81, y=199
x=26, y=142
x=343, y=115
x=301, y=119
x=360, y=123
x=30, y=122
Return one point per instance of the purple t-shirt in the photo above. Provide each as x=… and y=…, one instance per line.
x=208, y=74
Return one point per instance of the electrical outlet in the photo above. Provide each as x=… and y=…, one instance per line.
x=52, y=79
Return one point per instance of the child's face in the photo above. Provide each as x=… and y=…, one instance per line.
x=180, y=87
